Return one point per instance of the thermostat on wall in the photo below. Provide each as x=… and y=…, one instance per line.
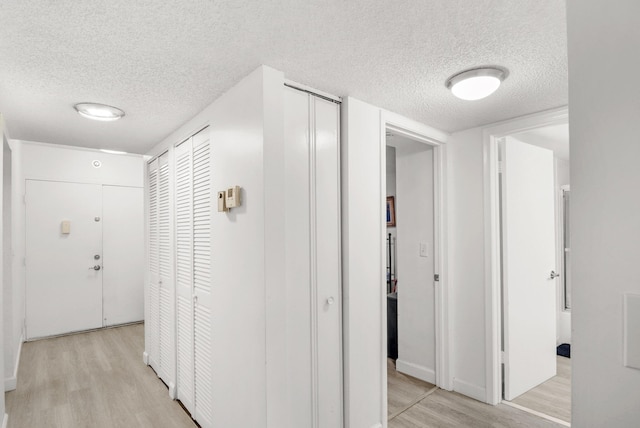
x=233, y=197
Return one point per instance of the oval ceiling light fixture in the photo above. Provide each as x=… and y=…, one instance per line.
x=97, y=111
x=476, y=83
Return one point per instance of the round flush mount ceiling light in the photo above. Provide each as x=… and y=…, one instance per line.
x=476, y=83
x=96, y=111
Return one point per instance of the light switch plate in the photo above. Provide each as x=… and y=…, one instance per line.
x=424, y=249
x=632, y=330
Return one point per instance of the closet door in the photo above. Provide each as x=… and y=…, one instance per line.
x=184, y=273
x=152, y=295
x=202, y=293
x=313, y=261
x=165, y=276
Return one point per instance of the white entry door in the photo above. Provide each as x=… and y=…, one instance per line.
x=123, y=254
x=528, y=241
x=63, y=277
x=92, y=274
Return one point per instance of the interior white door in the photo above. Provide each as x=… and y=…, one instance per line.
x=528, y=259
x=184, y=273
x=123, y=254
x=63, y=278
x=166, y=315
x=312, y=245
x=202, y=292
x=152, y=296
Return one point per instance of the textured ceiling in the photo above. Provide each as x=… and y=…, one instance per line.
x=164, y=61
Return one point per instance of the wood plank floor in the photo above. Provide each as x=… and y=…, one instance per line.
x=97, y=380
x=553, y=397
x=94, y=379
x=439, y=408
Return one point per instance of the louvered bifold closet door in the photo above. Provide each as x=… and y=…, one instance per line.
x=152, y=294
x=184, y=273
x=202, y=240
x=166, y=315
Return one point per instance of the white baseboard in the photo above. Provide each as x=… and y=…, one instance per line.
x=420, y=372
x=470, y=390
x=5, y=421
x=11, y=383
x=145, y=358
x=172, y=391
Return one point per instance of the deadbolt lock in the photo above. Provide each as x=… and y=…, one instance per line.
x=97, y=257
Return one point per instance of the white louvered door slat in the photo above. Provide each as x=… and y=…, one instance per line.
x=184, y=273
x=166, y=316
x=202, y=205
x=152, y=326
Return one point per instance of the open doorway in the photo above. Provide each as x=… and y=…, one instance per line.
x=528, y=281
x=410, y=272
x=535, y=199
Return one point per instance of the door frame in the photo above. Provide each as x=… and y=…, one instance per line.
x=423, y=134
x=493, y=266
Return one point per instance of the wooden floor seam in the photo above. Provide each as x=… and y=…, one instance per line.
x=414, y=402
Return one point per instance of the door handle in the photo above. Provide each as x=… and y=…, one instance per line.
x=553, y=275
x=96, y=267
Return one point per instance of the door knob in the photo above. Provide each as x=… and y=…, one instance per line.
x=330, y=301
x=553, y=275
x=96, y=267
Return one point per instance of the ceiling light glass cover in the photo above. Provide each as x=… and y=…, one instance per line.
x=476, y=83
x=99, y=111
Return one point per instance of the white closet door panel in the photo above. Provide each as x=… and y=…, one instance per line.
x=165, y=251
x=184, y=274
x=153, y=221
x=185, y=381
x=203, y=372
x=123, y=249
x=152, y=325
x=202, y=238
x=164, y=222
x=327, y=255
x=297, y=259
x=152, y=302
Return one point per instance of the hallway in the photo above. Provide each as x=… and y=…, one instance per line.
x=94, y=379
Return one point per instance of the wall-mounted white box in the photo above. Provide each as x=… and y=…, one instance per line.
x=632, y=330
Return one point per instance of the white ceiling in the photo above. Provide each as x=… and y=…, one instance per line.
x=554, y=138
x=164, y=61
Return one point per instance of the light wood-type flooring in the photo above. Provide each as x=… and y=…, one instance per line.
x=97, y=379
x=94, y=379
x=416, y=404
x=553, y=397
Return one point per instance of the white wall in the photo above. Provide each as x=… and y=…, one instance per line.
x=416, y=297
x=4, y=240
x=364, y=288
x=249, y=312
x=603, y=62
x=40, y=161
x=7, y=268
x=561, y=178
x=465, y=155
